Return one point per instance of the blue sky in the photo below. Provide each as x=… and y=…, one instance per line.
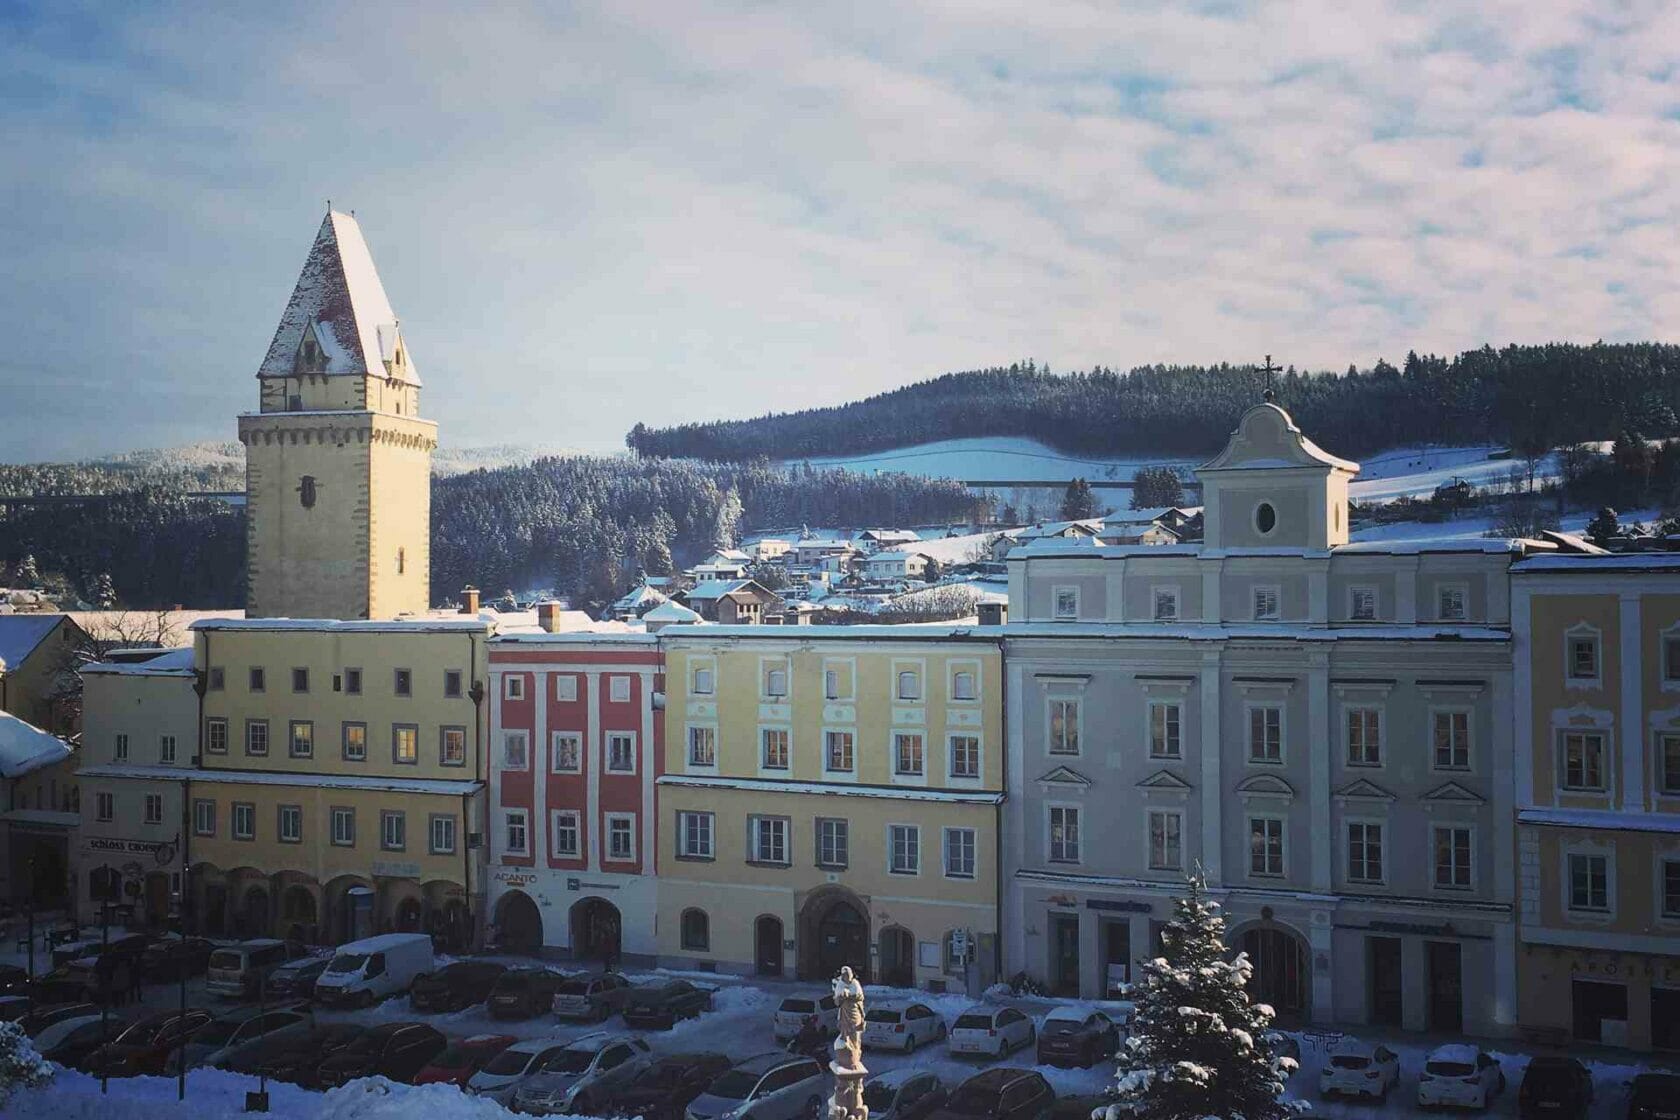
x=597, y=214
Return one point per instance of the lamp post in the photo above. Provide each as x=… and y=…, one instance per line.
x=178, y=902
x=102, y=971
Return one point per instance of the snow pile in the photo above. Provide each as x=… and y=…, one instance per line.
x=20, y=1066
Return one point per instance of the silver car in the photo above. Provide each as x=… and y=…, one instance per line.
x=597, y=997
x=581, y=1074
x=769, y=1087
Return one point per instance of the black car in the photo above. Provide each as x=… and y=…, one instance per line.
x=294, y=980
x=1555, y=1086
x=1073, y=1036
x=906, y=1093
x=74, y=1049
x=396, y=1051
x=297, y=1059
x=455, y=986
x=520, y=993
x=1000, y=1094
x=12, y=979
x=45, y=1015
x=1654, y=1096
x=174, y=957
x=663, y=1090
x=660, y=1006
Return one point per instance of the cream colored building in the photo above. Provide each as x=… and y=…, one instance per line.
x=1598, y=798
x=830, y=796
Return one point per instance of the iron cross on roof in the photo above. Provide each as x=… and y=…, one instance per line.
x=1268, y=369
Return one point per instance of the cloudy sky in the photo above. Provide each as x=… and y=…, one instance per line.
x=592, y=214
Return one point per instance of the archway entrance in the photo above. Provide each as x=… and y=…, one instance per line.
x=518, y=923
x=767, y=945
x=253, y=912
x=833, y=931
x=408, y=915
x=297, y=910
x=45, y=870
x=213, y=922
x=1281, y=977
x=898, y=961
x=596, y=931
x=156, y=895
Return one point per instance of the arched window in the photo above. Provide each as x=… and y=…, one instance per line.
x=696, y=931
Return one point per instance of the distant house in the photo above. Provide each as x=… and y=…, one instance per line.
x=771, y=548
x=1163, y=525
x=874, y=540
x=636, y=604
x=740, y=602
x=822, y=556
x=724, y=563
x=896, y=564
x=37, y=663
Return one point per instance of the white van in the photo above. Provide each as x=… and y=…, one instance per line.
x=368, y=970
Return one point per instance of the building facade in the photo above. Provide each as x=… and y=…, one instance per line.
x=1598, y=798
x=830, y=796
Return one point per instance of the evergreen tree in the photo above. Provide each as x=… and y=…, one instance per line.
x=1199, y=1047
x=20, y=1066
x=1080, y=502
x=27, y=574
x=1156, y=488
x=1603, y=527
x=104, y=592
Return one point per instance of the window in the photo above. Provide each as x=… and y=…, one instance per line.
x=1671, y=659
x=1583, y=760
x=402, y=682
x=965, y=756
x=353, y=682
x=258, y=680
x=1452, y=856
x=702, y=746
x=1589, y=882
x=909, y=685
x=343, y=827
x=104, y=807
x=621, y=752
x=1362, y=604
x=1265, y=518
x=1266, y=603
x=442, y=838
x=567, y=835
x=302, y=738
x=300, y=680
x=959, y=853
x=1164, y=730
x=1064, y=834
x=215, y=735
x=831, y=684
x=774, y=741
x=904, y=842
x=907, y=753
x=775, y=683
x=289, y=824
x=621, y=836
x=618, y=690
x=703, y=682
x=962, y=685
x=402, y=554
x=256, y=737
x=154, y=808
x=393, y=830
x=405, y=743
x=1166, y=604
x=833, y=843
x=1452, y=740
x=1365, y=852
x=1166, y=840
x=1265, y=846
x=1065, y=601
x=119, y=749
x=565, y=752
x=696, y=931
x=513, y=687
x=166, y=748
x=218, y=678
x=837, y=751
x=695, y=835
x=355, y=742
x=769, y=839
x=1452, y=603
x=1668, y=764
x=1265, y=734
x=516, y=832
x=244, y=820
x=1064, y=726
x=204, y=817
x=516, y=750
x=452, y=683
x=452, y=746
x=1364, y=737
x=1583, y=658
x=565, y=688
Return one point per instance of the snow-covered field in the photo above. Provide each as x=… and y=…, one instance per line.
x=1011, y=458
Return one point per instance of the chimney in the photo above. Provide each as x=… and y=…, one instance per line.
x=548, y=615
x=994, y=614
x=469, y=600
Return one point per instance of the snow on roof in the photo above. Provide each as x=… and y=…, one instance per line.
x=1267, y=427
x=25, y=747
x=671, y=611
x=163, y=663
x=1612, y=562
x=833, y=789
x=340, y=300
x=455, y=788
x=1091, y=525
x=381, y=942
x=1454, y=1052
x=21, y=633
x=1264, y=631
x=715, y=588
x=395, y=625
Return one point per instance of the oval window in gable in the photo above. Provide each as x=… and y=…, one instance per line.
x=1265, y=518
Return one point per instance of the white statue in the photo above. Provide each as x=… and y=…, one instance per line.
x=847, y=1065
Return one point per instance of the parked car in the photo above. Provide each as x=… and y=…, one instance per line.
x=296, y=1059
x=902, y=1026
x=45, y=1015
x=50, y=1037
x=501, y=1075
x=92, y=979
x=586, y=1070
x=767, y=1087
x=1076, y=1036
x=13, y=1008
x=75, y=1046
x=170, y=958
x=294, y=980
x=665, y=1088
x=234, y=1033
x=660, y=1006
x=460, y=1060
x=237, y=971
x=994, y=1031
x=146, y=1046
x=455, y=986
x=12, y=979
x=1555, y=1086
x=1654, y=1096
x=364, y=972
x=794, y=1010
x=906, y=1093
x=598, y=996
x=130, y=946
x=1460, y=1075
x=396, y=1051
x=1359, y=1069
x=520, y=993
x=1000, y=1094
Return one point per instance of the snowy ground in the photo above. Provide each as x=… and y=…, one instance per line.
x=1015, y=458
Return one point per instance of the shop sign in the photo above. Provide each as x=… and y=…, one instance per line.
x=1409, y=927
x=1120, y=904
x=396, y=870
x=161, y=851
x=580, y=885
x=514, y=878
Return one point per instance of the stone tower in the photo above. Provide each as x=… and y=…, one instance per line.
x=338, y=460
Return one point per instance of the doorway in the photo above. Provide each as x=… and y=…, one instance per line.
x=213, y=922
x=1117, y=957
x=1064, y=954
x=842, y=939
x=767, y=945
x=1446, y=985
x=596, y=931
x=1385, y=1002
x=157, y=897
x=519, y=926
x=254, y=913
x=1279, y=959
x=1595, y=1004
x=1665, y=1018
x=898, y=961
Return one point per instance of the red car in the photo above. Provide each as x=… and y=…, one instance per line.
x=463, y=1059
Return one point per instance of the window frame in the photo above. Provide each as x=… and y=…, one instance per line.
x=256, y=679
x=832, y=735
x=513, y=686
x=280, y=814
x=1436, y=829
x=700, y=944
x=955, y=838
x=1600, y=757
x=247, y=809
x=1576, y=640
x=952, y=754
x=708, y=732
x=694, y=673
x=560, y=822
x=344, y=740
x=610, y=821
x=899, y=739
x=212, y=725
x=147, y=816
x=300, y=680
x=565, y=683
x=167, y=747
x=1069, y=812
x=352, y=680
x=402, y=682
x=763, y=826
x=1365, y=825
x=1074, y=704
x=1171, y=593
x=104, y=806
x=1257, y=597
x=1461, y=589
x=1271, y=846
x=1666, y=780
x=511, y=814
x=765, y=735
x=1057, y=591
x=388, y=818
x=614, y=739
x=618, y=688
x=704, y=827
x=341, y=815
x=292, y=728
x=452, y=682
x=1608, y=859
x=204, y=824
x=397, y=730
x=1254, y=708
x=1175, y=816
x=444, y=732
x=1354, y=592
x=1171, y=744
x=571, y=739
x=1452, y=766
x=911, y=834
x=839, y=841
x=253, y=725
x=433, y=820
x=958, y=672
x=522, y=736
x=1372, y=732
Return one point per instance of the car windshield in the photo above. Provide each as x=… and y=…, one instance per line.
x=456, y=1057
x=1349, y=1061
x=1450, y=1069
x=878, y=1097
x=143, y=1031
x=801, y=1006
x=974, y=1023
x=569, y=1061
x=370, y=1043
x=883, y=1015
x=509, y=1062
x=972, y=1101
x=733, y=1086
x=663, y=1075
x=1051, y=1026
x=574, y=988
x=348, y=962
x=227, y=960
x=216, y=1033
x=1546, y=1079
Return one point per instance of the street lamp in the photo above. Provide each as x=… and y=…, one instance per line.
x=177, y=903
x=102, y=973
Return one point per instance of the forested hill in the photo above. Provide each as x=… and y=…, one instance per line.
x=1549, y=395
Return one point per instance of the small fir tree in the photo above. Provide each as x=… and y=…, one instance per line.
x=1080, y=502
x=20, y=1066
x=1156, y=487
x=1603, y=527
x=1199, y=1047
x=104, y=592
x=28, y=575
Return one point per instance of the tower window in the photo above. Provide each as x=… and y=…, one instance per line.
x=306, y=490
x=1265, y=518
x=402, y=561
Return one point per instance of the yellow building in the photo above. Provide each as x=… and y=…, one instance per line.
x=1597, y=773
x=830, y=796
